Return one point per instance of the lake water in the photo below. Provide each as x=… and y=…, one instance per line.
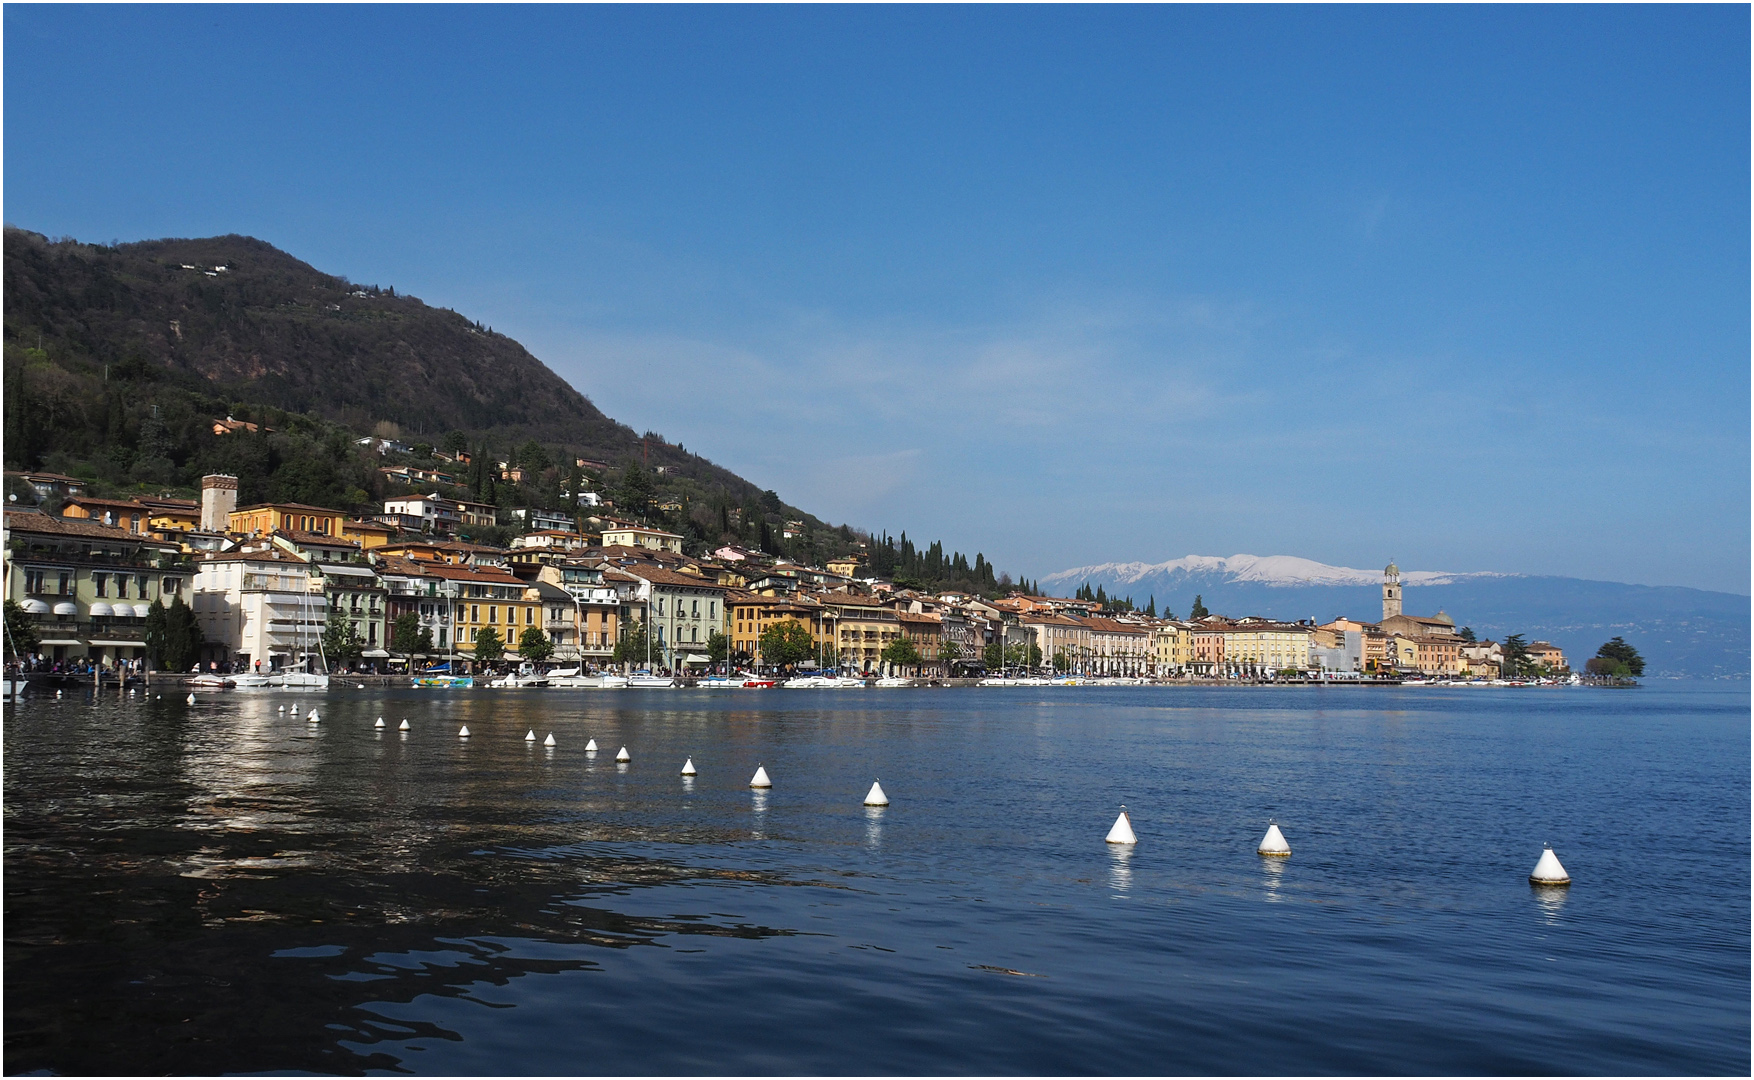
x=225, y=888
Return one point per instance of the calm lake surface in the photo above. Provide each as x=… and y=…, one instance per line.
x=225, y=888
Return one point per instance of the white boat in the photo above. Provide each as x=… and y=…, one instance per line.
x=210, y=682
x=648, y=681
x=718, y=682
x=894, y=681
x=804, y=682
x=255, y=682
x=609, y=681
x=304, y=680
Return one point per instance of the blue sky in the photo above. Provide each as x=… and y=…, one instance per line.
x=1465, y=286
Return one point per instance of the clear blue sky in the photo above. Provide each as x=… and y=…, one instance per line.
x=1465, y=286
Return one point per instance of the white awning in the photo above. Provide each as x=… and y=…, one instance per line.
x=67, y=607
x=60, y=641
x=375, y=654
x=119, y=644
x=35, y=607
x=101, y=608
x=697, y=658
x=141, y=611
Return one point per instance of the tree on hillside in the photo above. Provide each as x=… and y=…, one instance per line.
x=455, y=443
x=489, y=646
x=1151, y=606
x=786, y=643
x=533, y=456
x=634, y=495
x=534, y=646
x=1198, y=611
x=1618, y=655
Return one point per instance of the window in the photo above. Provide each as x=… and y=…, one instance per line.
x=529, y=616
x=493, y=613
x=660, y=606
x=695, y=609
x=99, y=582
x=33, y=581
x=711, y=606
x=122, y=586
x=441, y=640
x=140, y=586
x=474, y=615
x=471, y=635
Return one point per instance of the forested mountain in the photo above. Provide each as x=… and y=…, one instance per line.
x=118, y=360
x=269, y=330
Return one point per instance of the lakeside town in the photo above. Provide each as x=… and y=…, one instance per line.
x=286, y=594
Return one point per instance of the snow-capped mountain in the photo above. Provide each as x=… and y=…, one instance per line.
x=1679, y=631
x=1280, y=570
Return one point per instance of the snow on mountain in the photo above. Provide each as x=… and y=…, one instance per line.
x=1273, y=570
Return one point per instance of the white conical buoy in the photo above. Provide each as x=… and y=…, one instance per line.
x=688, y=767
x=760, y=778
x=191, y=697
x=463, y=733
x=404, y=725
x=314, y=718
x=281, y=708
x=380, y=723
x=1548, y=871
x=623, y=755
x=875, y=796
x=1274, y=842
x=1122, y=833
x=550, y=740
x=591, y=747
x=530, y=736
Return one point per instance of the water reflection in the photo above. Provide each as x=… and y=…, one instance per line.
x=873, y=826
x=1550, y=902
x=1120, y=869
x=1272, y=877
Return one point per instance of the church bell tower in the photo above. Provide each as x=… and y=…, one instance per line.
x=1391, y=591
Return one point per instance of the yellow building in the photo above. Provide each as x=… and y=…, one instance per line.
x=862, y=626
x=368, y=534
x=1173, y=644
x=287, y=517
x=635, y=536
x=751, y=615
x=848, y=567
x=1262, y=646
x=483, y=598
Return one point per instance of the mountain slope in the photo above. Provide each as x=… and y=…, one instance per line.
x=272, y=330
x=1679, y=631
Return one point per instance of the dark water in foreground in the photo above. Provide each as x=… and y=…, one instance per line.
x=219, y=887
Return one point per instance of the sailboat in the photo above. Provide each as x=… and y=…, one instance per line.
x=297, y=676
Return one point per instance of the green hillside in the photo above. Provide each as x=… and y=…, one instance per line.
x=119, y=358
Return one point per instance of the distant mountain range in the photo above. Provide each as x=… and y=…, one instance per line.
x=1680, y=631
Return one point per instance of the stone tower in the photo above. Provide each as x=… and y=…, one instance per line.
x=219, y=497
x=1391, y=591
